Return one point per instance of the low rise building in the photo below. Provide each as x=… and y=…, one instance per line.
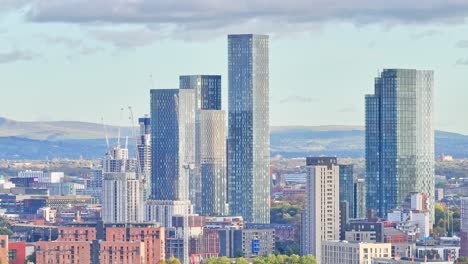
x=407, y=261
x=58, y=252
x=344, y=252
x=17, y=252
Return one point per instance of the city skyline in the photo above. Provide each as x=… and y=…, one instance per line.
x=248, y=145
x=303, y=65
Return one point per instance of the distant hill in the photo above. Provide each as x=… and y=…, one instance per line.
x=347, y=141
x=57, y=130
x=66, y=139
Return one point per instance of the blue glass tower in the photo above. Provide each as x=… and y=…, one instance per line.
x=248, y=133
x=399, y=139
x=208, y=90
x=347, y=180
x=173, y=140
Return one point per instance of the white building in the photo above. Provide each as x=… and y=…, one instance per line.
x=343, y=252
x=407, y=261
x=52, y=177
x=321, y=216
x=30, y=174
x=122, y=200
x=161, y=211
x=213, y=163
x=406, y=219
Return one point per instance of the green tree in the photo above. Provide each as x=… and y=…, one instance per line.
x=241, y=260
x=259, y=260
x=223, y=260
x=294, y=259
x=282, y=259
x=309, y=259
x=31, y=258
x=284, y=213
x=173, y=260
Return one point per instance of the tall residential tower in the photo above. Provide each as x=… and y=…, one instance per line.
x=173, y=139
x=321, y=216
x=213, y=162
x=207, y=89
x=248, y=133
x=399, y=139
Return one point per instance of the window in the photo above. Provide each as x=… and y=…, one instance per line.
x=12, y=254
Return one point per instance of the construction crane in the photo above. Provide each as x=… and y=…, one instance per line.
x=137, y=155
x=105, y=134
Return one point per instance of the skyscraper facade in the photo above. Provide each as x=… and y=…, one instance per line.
x=248, y=135
x=207, y=89
x=173, y=157
x=213, y=162
x=122, y=199
x=347, y=188
x=399, y=139
x=144, y=154
x=360, y=198
x=173, y=140
x=321, y=216
x=165, y=144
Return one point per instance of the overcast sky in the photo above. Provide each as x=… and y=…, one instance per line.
x=86, y=59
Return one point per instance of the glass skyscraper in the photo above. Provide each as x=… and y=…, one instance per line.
x=248, y=133
x=347, y=188
x=213, y=162
x=399, y=139
x=173, y=143
x=207, y=89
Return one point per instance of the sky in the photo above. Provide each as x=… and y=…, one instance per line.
x=85, y=60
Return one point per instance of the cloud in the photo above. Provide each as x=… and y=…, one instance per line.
x=296, y=99
x=191, y=16
x=462, y=62
x=7, y=5
x=65, y=41
x=424, y=34
x=16, y=55
x=462, y=44
x=127, y=39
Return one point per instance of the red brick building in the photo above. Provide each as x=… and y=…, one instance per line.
x=17, y=252
x=153, y=238
x=123, y=252
x=104, y=243
x=3, y=249
x=58, y=252
x=78, y=233
x=393, y=235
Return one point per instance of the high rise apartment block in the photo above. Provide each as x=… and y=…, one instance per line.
x=399, y=139
x=321, y=216
x=249, y=127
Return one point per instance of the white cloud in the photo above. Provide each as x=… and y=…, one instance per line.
x=16, y=55
x=202, y=14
